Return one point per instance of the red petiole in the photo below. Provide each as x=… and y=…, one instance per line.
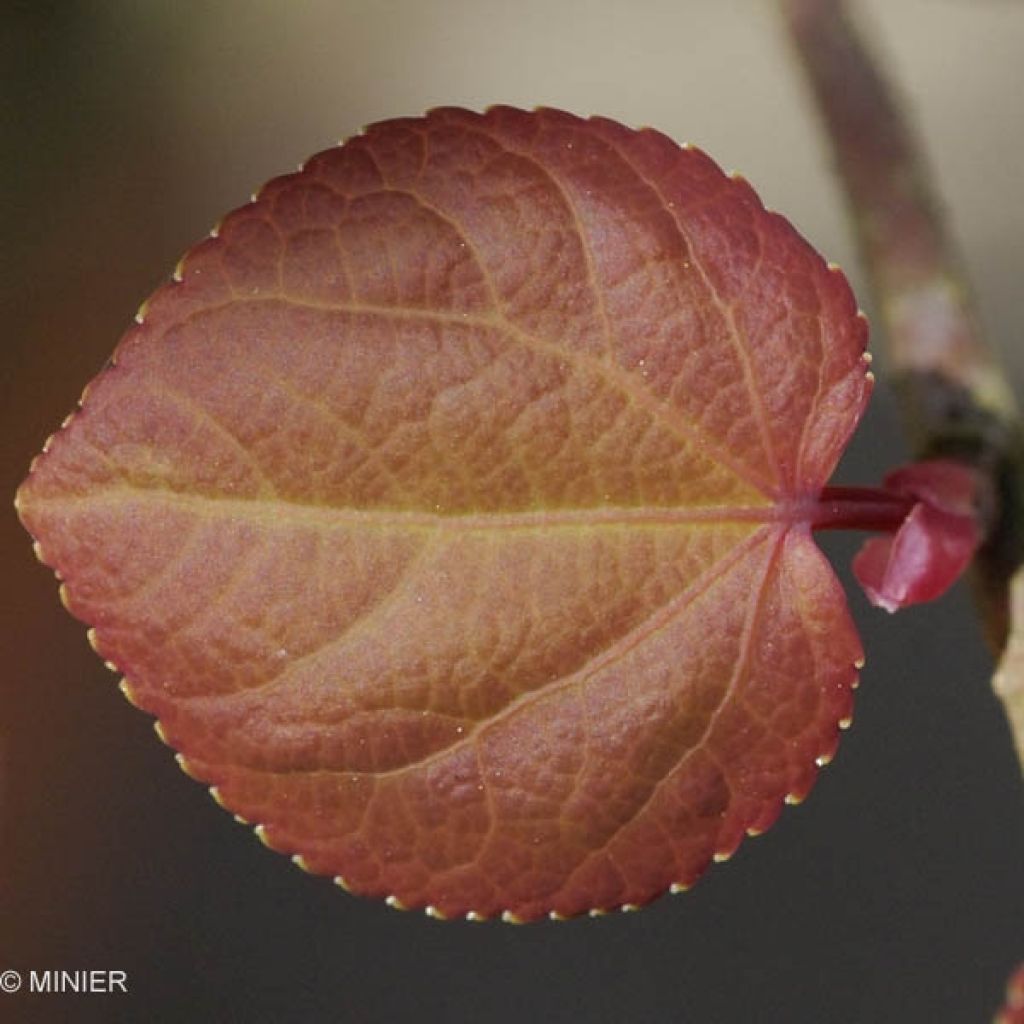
x=860, y=508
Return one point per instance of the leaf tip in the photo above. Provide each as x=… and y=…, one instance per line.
x=341, y=883
x=300, y=862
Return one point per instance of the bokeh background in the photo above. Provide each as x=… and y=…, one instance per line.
x=896, y=893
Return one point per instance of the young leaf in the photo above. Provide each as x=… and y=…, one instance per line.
x=934, y=544
x=451, y=508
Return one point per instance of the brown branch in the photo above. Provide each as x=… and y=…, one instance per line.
x=954, y=396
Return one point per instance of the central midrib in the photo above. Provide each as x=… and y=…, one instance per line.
x=791, y=512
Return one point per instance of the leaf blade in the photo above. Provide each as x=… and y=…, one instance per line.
x=466, y=406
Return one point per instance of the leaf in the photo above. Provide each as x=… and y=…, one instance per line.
x=451, y=508
x=935, y=543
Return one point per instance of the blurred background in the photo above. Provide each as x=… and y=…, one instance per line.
x=896, y=893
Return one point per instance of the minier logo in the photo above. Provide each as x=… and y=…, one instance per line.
x=78, y=981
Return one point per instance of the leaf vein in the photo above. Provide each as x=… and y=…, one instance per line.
x=727, y=312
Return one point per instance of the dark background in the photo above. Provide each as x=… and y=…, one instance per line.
x=896, y=893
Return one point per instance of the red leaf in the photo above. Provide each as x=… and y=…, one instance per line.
x=934, y=545
x=452, y=510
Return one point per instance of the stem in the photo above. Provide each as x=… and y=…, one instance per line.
x=953, y=394
x=860, y=508
x=924, y=298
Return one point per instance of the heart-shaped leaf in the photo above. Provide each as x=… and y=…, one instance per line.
x=452, y=507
